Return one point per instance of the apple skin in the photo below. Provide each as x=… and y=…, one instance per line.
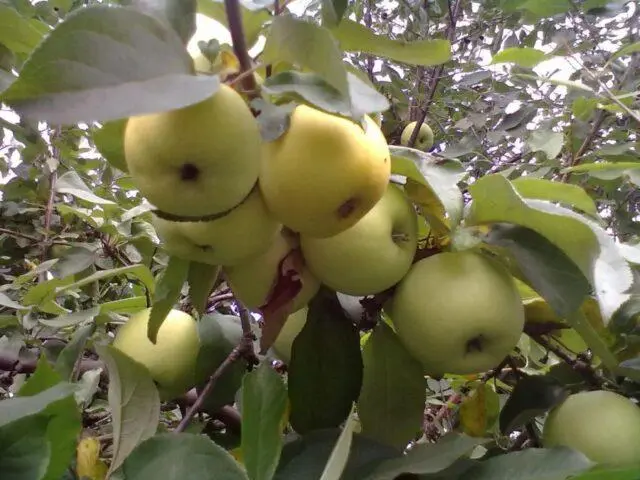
x=246, y=231
x=195, y=161
x=457, y=312
x=252, y=280
x=325, y=172
x=603, y=425
x=371, y=256
x=172, y=360
x=290, y=330
x=425, y=137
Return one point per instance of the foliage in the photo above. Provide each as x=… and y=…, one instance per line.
x=537, y=168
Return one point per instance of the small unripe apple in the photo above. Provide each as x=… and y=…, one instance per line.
x=424, y=140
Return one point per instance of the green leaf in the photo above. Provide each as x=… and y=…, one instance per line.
x=564, y=193
x=583, y=107
x=253, y=20
x=531, y=397
x=109, y=140
x=16, y=408
x=521, y=56
x=314, y=89
x=546, y=141
x=134, y=402
x=141, y=272
x=614, y=169
x=603, y=472
x=264, y=402
x=333, y=11
x=201, y=279
x=123, y=306
x=432, y=183
x=24, y=449
x=545, y=266
x=107, y=63
x=325, y=372
x=355, y=37
x=531, y=464
x=71, y=183
x=427, y=458
x=339, y=457
x=556, y=81
x=5, y=301
x=181, y=15
x=171, y=456
x=308, y=45
x=17, y=33
x=71, y=319
x=168, y=290
x=392, y=399
x=73, y=261
x=66, y=361
x=479, y=410
x=626, y=50
x=546, y=8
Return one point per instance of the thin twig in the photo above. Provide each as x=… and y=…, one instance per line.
x=234, y=20
x=11, y=233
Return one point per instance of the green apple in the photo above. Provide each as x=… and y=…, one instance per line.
x=371, y=256
x=246, y=231
x=424, y=141
x=457, y=312
x=603, y=425
x=195, y=161
x=290, y=330
x=171, y=361
x=253, y=280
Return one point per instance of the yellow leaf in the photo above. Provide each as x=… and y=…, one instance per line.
x=88, y=463
x=479, y=411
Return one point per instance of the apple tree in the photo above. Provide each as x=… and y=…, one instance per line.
x=343, y=240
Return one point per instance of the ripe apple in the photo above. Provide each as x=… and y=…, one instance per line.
x=247, y=230
x=253, y=280
x=171, y=361
x=371, y=256
x=290, y=330
x=195, y=161
x=325, y=172
x=603, y=425
x=424, y=141
x=457, y=312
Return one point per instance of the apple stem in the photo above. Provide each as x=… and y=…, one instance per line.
x=234, y=20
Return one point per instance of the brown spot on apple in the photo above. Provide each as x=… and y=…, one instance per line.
x=347, y=208
x=189, y=172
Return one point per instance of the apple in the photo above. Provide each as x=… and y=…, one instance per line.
x=195, y=161
x=457, y=312
x=424, y=141
x=247, y=230
x=603, y=425
x=371, y=256
x=290, y=330
x=171, y=361
x=325, y=172
x=253, y=280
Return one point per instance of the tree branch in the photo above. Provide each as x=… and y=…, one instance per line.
x=11, y=233
x=234, y=20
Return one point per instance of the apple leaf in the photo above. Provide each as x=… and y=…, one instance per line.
x=589, y=247
x=432, y=182
x=333, y=11
x=17, y=33
x=109, y=140
x=15, y=408
x=314, y=89
x=308, y=45
x=427, y=458
x=106, y=63
x=168, y=292
x=355, y=37
x=264, y=404
x=479, y=410
x=253, y=19
x=625, y=319
x=392, y=399
x=564, y=193
x=339, y=457
x=134, y=401
x=532, y=464
x=71, y=183
x=521, y=56
x=25, y=452
x=604, y=472
x=308, y=455
x=68, y=357
x=325, y=372
x=172, y=456
x=140, y=271
x=201, y=278
x=181, y=15
x=531, y=397
x=547, y=268
x=548, y=142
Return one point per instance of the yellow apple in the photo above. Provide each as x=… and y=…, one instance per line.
x=457, y=312
x=253, y=280
x=171, y=361
x=603, y=425
x=424, y=141
x=290, y=330
x=325, y=172
x=372, y=255
x=196, y=161
x=247, y=230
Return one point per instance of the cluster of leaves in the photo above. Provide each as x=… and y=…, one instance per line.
x=549, y=186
